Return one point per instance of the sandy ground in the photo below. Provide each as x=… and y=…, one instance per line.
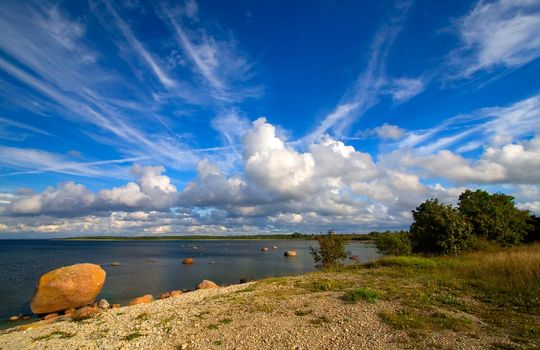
x=247, y=316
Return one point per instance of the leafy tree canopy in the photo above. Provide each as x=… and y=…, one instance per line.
x=494, y=216
x=439, y=229
x=331, y=251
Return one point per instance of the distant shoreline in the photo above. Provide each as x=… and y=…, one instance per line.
x=297, y=237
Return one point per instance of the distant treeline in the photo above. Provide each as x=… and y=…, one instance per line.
x=296, y=235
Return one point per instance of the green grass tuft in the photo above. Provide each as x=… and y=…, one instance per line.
x=410, y=319
x=54, y=335
x=326, y=285
x=132, y=336
x=320, y=320
x=354, y=296
x=143, y=317
x=302, y=312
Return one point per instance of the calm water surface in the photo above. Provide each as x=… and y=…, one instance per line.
x=149, y=267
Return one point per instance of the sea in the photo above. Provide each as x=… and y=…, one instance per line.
x=138, y=267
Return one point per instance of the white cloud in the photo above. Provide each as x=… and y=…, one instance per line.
x=517, y=163
x=501, y=33
x=158, y=70
x=330, y=185
x=369, y=85
x=388, y=131
x=152, y=190
x=271, y=165
x=486, y=126
x=403, y=89
x=67, y=197
x=34, y=161
x=219, y=62
x=129, y=195
x=289, y=218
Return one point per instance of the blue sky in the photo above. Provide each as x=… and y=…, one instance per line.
x=208, y=117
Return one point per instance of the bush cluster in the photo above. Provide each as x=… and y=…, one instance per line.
x=479, y=219
x=393, y=243
x=331, y=251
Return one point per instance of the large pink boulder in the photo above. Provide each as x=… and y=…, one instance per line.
x=67, y=287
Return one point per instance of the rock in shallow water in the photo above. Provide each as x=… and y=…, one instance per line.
x=290, y=253
x=187, y=261
x=145, y=299
x=67, y=287
x=206, y=284
x=175, y=293
x=50, y=317
x=103, y=304
x=84, y=312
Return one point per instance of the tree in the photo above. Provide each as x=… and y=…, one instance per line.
x=494, y=216
x=439, y=229
x=393, y=243
x=534, y=232
x=331, y=251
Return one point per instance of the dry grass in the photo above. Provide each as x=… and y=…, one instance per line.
x=499, y=287
x=509, y=277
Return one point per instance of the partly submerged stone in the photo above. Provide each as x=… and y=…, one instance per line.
x=145, y=299
x=206, y=284
x=290, y=253
x=67, y=287
x=103, y=304
x=176, y=293
x=84, y=312
x=165, y=295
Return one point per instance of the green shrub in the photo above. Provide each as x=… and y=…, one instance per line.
x=494, y=216
x=331, y=251
x=439, y=229
x=394, y=244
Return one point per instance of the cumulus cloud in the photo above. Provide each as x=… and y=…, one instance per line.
x=327, y=185
x=152, y=190
x=517, y=163
x=272, y=165
x=501, y=33
x=387, y=131
x=129, y=195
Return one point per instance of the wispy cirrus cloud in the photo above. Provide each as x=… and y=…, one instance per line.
x=497, y=34
x=144, y=54
x=223, y=68
x=82, y=90
x=490, y=125
x=403, y=89
x=371, y=83
x=35, y=161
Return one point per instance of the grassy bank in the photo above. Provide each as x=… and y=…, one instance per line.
x=495, y=293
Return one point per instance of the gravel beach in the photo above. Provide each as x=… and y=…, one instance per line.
x=269, y=314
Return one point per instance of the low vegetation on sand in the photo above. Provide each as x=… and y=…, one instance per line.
x=478, y=293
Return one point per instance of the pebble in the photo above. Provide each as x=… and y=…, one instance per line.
x=103, y=304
